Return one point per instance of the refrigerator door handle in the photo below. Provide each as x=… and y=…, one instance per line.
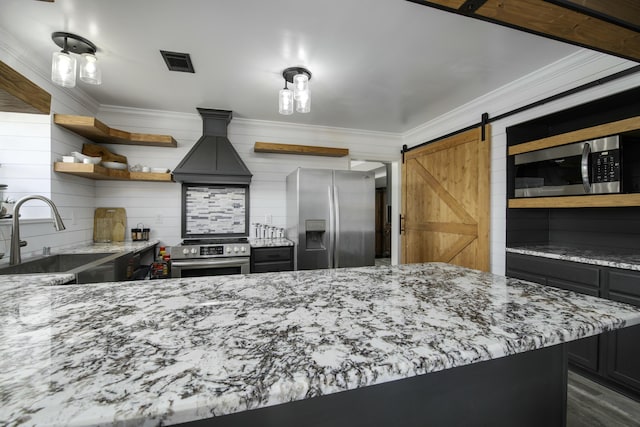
x=332, y=219
x=336, y=248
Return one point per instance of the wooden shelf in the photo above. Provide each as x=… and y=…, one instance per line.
x=93, y=129
x=20, y=95
x=100, y=172
x=613, y=128
x=597, y=201
x=270, y=147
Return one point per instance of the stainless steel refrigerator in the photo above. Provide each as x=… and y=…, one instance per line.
x=331, y=218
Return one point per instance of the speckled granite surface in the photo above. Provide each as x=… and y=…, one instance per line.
x=269, y=243
x=152, y=352
x=111, y=247
x=61, y=278
x=616, y=258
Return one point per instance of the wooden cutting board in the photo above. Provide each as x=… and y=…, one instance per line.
x=109, y=225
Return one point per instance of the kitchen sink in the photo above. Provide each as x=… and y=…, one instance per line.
x=87, y=267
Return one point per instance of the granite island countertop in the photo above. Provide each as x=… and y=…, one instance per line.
x=627, y=259
x=169, y=351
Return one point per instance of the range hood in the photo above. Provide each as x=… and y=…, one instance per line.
x=213, y=160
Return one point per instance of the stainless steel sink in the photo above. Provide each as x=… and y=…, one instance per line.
x=87, y=267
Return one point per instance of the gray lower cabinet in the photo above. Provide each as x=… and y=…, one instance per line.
x=623, y=349
x=613, y=357
x=565, y=275
x=271, y=259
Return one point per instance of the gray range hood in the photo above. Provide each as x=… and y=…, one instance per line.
x=213, y=160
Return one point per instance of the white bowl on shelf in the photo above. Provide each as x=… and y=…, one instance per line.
x=159, y=170
x=86, y=159
x=114, y=165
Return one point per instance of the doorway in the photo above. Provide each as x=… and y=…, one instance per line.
x=383, y=207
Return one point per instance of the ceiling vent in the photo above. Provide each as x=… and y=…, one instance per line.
x=177, y=61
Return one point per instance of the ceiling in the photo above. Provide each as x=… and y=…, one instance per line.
x=380, y=65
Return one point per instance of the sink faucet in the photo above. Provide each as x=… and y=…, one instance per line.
x=16, y=243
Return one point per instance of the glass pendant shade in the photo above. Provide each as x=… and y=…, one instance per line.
x=89, y=71
x=63, y=69
x=300, y=85
x=285, y=101
x=303, y=103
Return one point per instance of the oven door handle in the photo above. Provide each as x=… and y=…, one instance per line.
x=584, y=167
x=208, y=263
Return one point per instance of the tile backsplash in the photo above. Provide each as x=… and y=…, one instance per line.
x=215, y=210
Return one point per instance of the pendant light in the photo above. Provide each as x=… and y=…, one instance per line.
x=301, y=94
x=64, y=65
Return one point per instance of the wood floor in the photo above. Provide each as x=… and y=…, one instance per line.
x=592, y=405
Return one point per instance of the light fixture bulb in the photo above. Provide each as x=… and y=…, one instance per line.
x=285, y=99
x=300, y=85
x=63, y=69
x=89, y=71
x=303, y=103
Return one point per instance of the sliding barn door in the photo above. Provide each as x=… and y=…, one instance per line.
x=446, y=201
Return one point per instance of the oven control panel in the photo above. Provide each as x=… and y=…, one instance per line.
x=210, y=251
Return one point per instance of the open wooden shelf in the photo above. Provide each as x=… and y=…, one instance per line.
x=100, y=172
x=20, y=95
x=93, y=129
x=595, y=201
x=613, y=128
x=309, y=150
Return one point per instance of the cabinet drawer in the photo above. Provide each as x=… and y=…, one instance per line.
x=267, y=267
x=271, y=254
x=586, y=275
x=575, y=287
x=529, y=277
x=624, y=286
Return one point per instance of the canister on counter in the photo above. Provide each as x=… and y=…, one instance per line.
x=136, y=234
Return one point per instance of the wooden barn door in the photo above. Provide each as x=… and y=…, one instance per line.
x=446, y=202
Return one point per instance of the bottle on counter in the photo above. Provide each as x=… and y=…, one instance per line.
x=160, y=267
x=166, y=263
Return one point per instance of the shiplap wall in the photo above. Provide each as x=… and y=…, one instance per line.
x=157, y=205
x=30, y=143
x=575, y=70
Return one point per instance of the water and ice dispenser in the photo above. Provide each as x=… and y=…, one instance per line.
x=315, y=230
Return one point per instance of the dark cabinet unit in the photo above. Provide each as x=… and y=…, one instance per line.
x=565, y=275
x=623, y=349
x=264, y=260
x=613, y=357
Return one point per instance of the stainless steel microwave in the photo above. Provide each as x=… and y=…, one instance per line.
x=587, y=167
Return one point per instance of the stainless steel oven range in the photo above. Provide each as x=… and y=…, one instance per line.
x=210, y=257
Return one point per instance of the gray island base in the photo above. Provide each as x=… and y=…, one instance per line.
x=418, y=344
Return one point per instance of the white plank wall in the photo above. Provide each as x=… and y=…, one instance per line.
x=577, y=69
x=29, y=144
x=157, y=205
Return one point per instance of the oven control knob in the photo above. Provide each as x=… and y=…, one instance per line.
x=228, y=249
x=235, y=249
x=243, y=249
x=185, y=251
x=194, y=251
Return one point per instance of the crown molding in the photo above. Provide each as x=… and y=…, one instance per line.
x=242, y=124
x=572, y=71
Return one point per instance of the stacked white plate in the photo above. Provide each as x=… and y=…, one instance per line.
x=86, y=159
x=114, y=165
